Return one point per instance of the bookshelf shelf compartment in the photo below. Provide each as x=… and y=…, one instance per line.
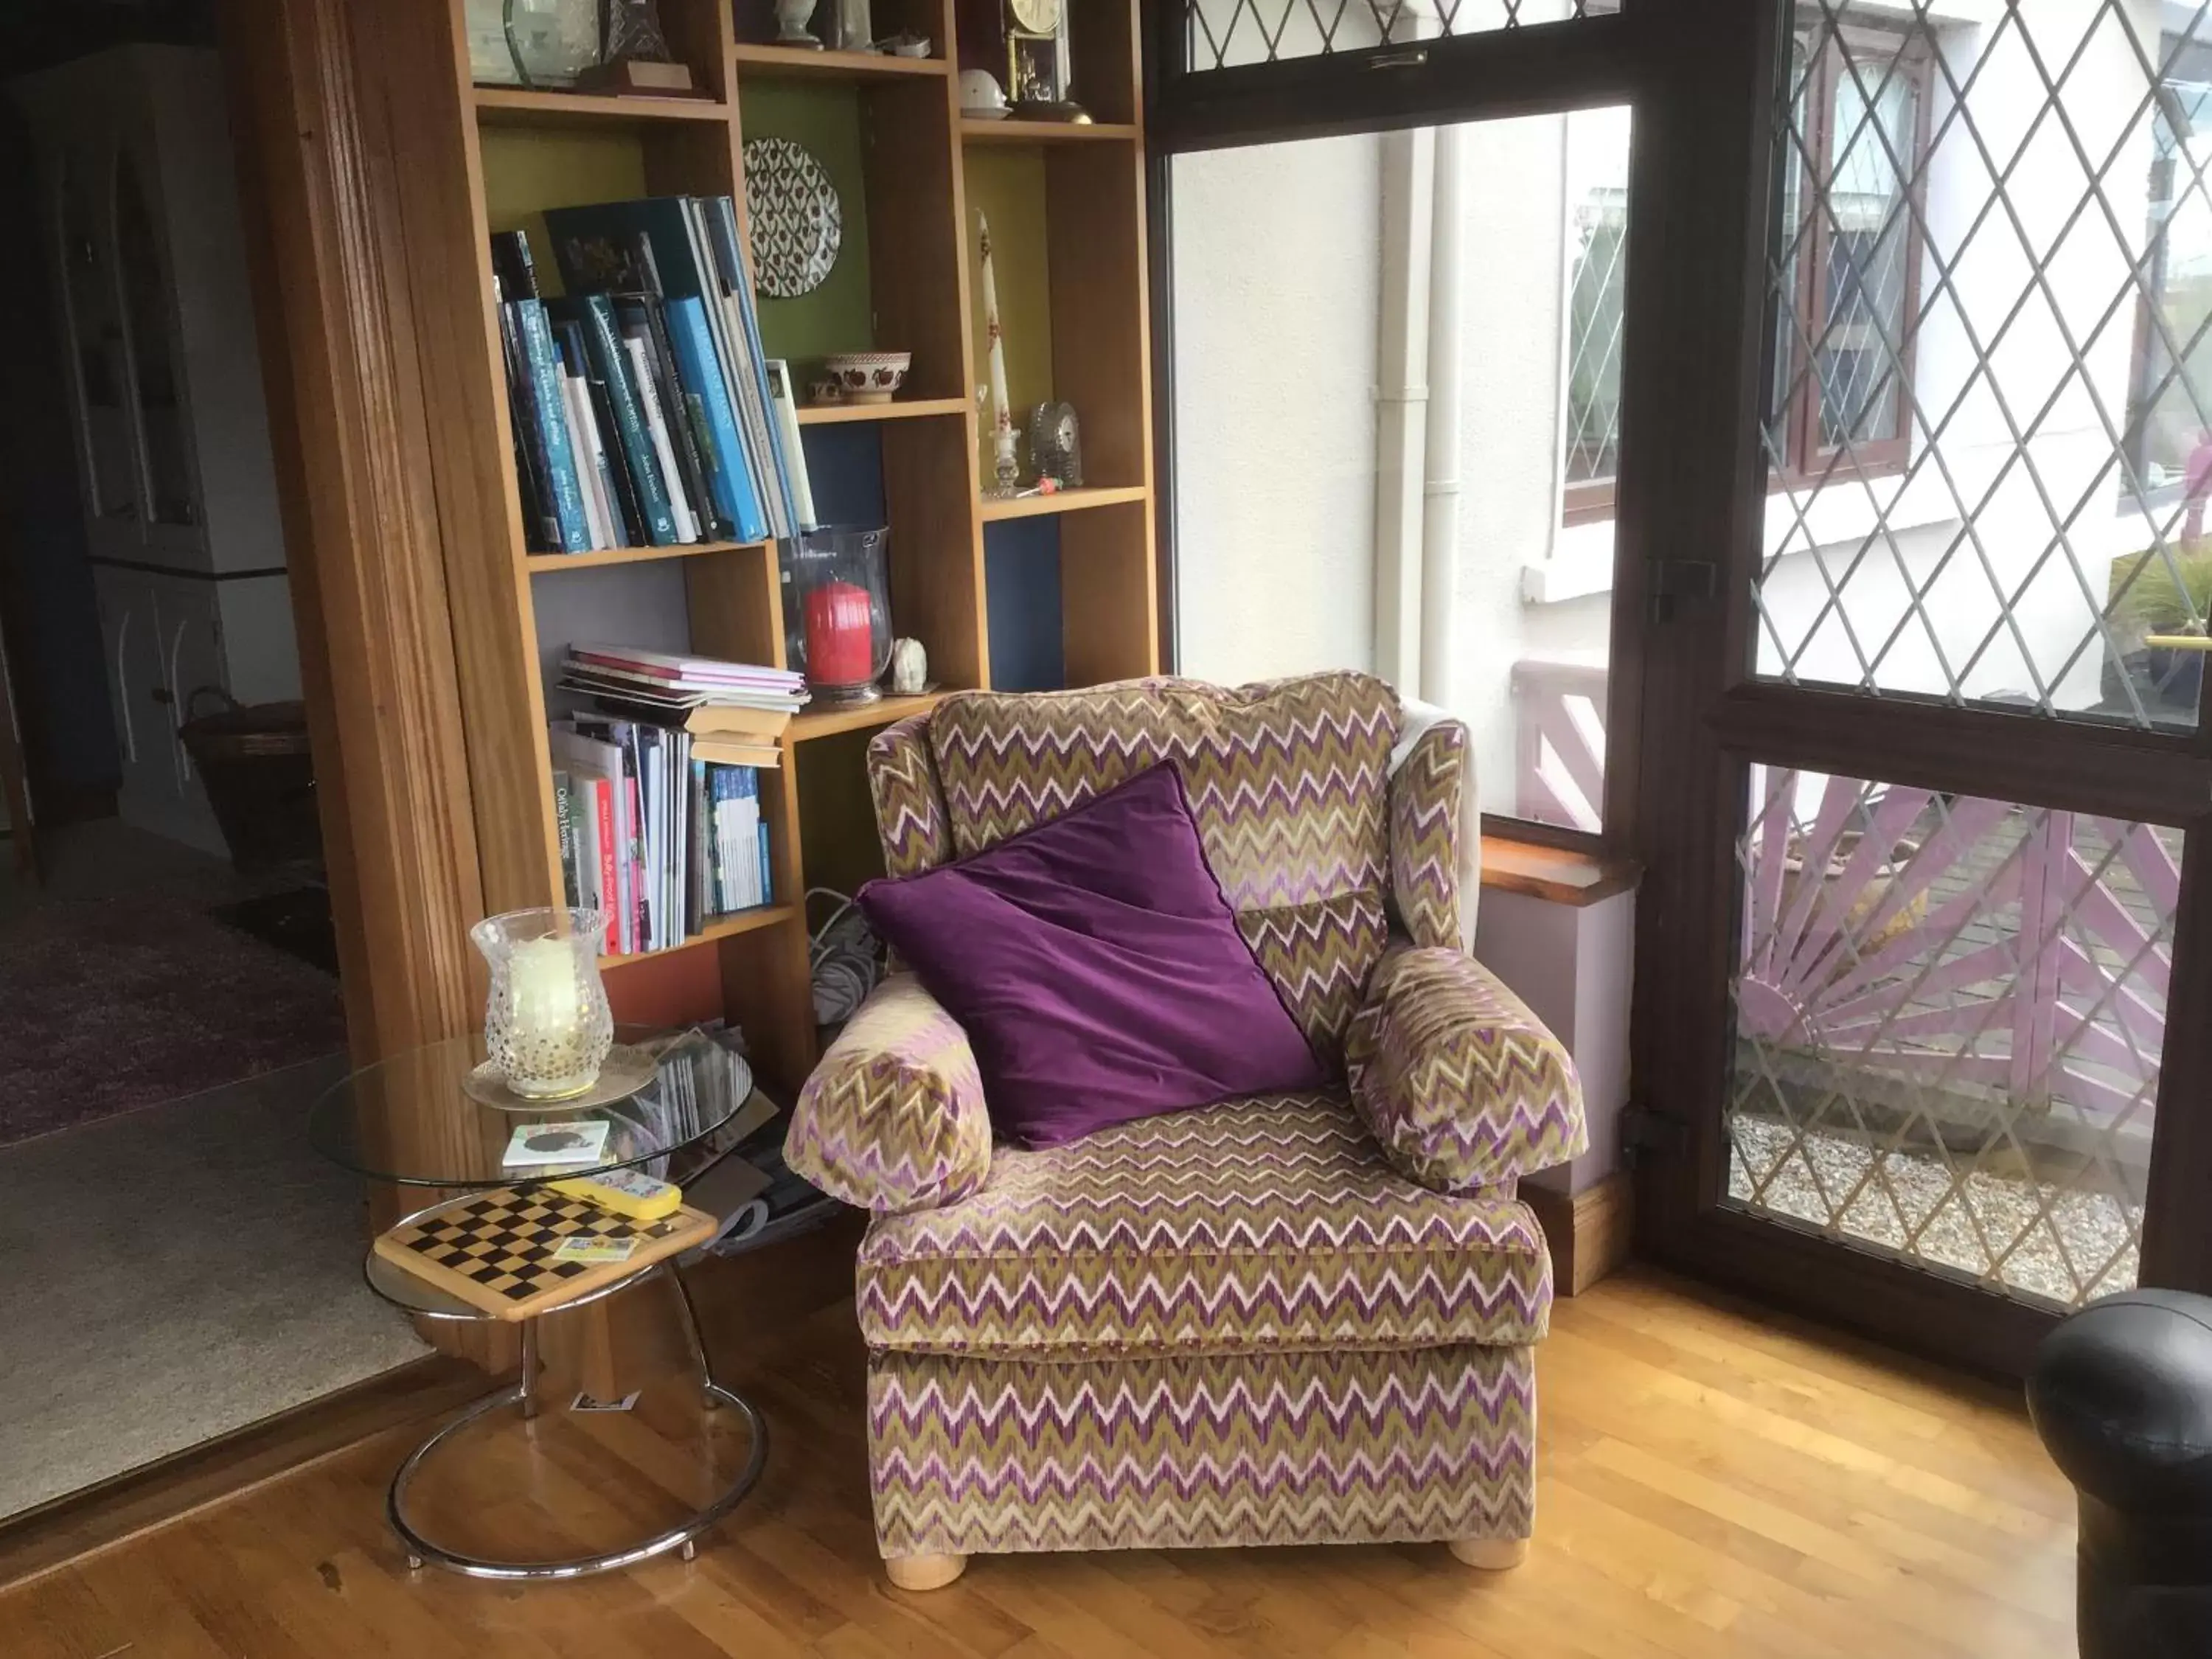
x=721, y=927
x=527, y=106
x=797, y=63
x=1012, y=132
x=1065, y=501
x=539, y=563
x=825, y=722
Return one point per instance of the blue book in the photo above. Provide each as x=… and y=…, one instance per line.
x=721, y=219
x=611, y=360
x=728, y=478
x=549, y=409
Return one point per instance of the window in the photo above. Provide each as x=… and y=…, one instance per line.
x=1311, y=385
x=1850, y=272
x=1851, y=181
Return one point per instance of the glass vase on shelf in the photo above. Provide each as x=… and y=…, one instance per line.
x=532, y=43
x=547, y=1025
x=837, y=610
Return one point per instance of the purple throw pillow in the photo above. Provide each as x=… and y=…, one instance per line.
x=1097, y=968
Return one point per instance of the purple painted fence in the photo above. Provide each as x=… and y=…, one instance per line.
x=1948, y=940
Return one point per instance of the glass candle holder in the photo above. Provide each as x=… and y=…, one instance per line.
x=837, y=610
x=547, y=1025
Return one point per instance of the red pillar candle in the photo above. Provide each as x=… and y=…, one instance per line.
x=840, y=639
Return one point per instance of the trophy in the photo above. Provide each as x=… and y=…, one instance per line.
x=636, y=58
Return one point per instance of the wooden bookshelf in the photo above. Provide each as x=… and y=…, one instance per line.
x=860, y=717
x=1074, y=251
x=1009, y=132
x=907, y=410
x=1060, y=500
x=600, y=557
x=797, y=63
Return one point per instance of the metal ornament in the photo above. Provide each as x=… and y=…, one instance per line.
x=798, y=223
x=1056, y=445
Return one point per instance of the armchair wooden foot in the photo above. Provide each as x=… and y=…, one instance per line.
x=1491, y=1554
x=928, y=1573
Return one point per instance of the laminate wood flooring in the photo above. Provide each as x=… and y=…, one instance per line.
x=1713, y=1483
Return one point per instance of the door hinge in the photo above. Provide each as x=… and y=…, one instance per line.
x=1680, y=579
x=1646, y=1133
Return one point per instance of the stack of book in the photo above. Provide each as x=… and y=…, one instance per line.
x=657, y=797
x=645, y=412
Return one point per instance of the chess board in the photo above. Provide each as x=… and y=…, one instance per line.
x=494, y=1249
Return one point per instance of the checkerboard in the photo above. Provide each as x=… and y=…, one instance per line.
x=494, y=1249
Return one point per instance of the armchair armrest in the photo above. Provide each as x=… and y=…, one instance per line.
x=1463, y=1086
x=892, y=1119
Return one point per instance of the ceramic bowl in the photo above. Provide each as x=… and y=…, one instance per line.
x=869, y=377
x=825, y=391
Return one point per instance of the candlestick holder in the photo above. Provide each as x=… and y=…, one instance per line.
x=547, y=1025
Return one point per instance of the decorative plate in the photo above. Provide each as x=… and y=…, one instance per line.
x=798, y=224
x=625, y=1071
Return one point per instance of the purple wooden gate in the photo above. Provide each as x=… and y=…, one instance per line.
x=1960, y=942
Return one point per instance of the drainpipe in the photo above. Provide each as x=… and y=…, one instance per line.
x=1401, y=403
x=1440, y=489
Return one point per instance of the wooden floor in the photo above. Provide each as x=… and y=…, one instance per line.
x=1712, y=1484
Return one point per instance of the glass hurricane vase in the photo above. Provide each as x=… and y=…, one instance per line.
x=547, y=1025
x=837, y=610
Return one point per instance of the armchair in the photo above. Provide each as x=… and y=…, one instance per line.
x=1289, y=1319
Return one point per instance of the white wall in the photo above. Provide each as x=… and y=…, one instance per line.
x=1276, y=288
x=1515, y=292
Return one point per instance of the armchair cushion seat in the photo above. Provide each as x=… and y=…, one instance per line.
x=1271, y=1225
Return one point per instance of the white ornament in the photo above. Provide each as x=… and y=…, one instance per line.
x=909, y=667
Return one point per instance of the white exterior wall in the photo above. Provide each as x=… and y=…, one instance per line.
x=1512, y=368
x=1277, y=273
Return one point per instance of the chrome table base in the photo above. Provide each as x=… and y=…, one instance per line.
x=422, y=1550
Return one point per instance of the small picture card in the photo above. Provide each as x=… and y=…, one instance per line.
x=585, y=1402
x=543, y=1145
x=594, y=1250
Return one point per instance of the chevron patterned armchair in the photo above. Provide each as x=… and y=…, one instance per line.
x=1292, y=1319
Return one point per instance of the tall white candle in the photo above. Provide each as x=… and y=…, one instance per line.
x=1002, y=416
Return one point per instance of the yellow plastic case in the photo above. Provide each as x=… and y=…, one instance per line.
x=626, y=1192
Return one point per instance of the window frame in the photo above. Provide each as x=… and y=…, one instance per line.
x=1807, y=464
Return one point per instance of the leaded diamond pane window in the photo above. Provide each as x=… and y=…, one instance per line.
x=1991, y=278
x=1229, y=34
x=1950, y=1017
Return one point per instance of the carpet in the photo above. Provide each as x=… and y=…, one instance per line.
x=296, y=922
x=109, y=1004
x=175, y=1275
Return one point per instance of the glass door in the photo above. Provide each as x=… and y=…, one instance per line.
x=1927, y=824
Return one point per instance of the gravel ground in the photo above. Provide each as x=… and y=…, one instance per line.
x=1989, y=1225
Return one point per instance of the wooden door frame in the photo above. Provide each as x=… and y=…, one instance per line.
x=351, y=426
x=1707, y=717
x=336, y=298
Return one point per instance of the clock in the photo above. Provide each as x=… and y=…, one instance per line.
x=1056, y=445
x=1037, y=71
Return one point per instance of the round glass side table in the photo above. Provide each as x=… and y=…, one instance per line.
x=408, y=1121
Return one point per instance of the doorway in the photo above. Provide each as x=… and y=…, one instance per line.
x=181, y=1265
x=1926, y=812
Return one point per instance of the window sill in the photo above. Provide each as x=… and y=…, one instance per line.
x=1554, y=873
